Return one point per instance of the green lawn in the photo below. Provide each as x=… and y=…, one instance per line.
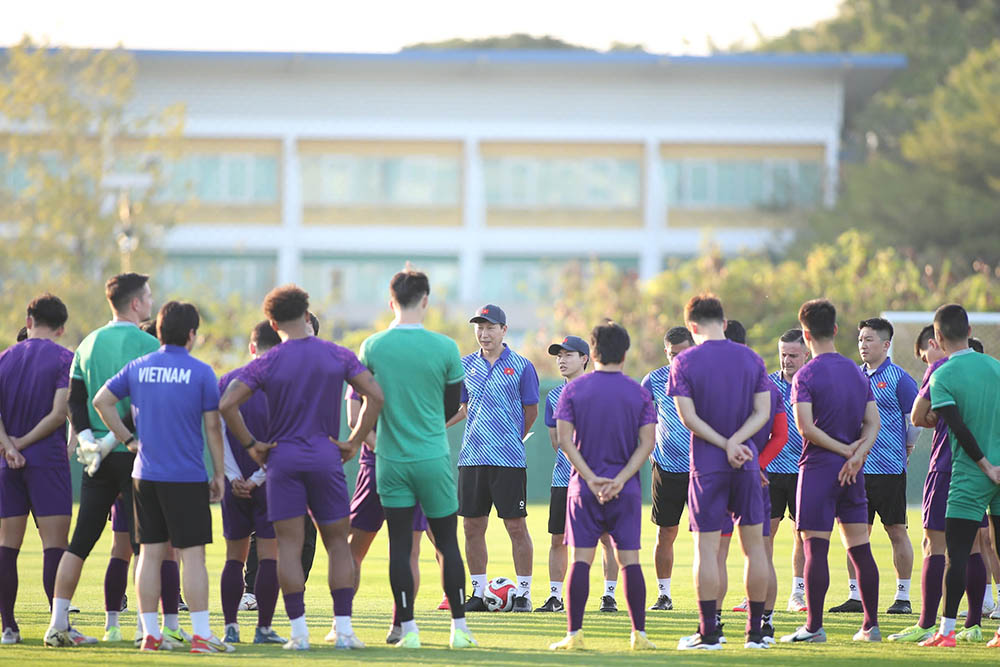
x=504, y=638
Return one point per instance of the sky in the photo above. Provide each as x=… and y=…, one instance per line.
x=377, y=26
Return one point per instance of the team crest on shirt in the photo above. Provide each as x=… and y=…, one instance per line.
x=882, y=385
x=508, y=371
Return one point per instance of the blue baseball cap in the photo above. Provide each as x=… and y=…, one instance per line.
x=490, y=313
x=571, y=343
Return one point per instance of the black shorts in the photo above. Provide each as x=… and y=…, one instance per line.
x=887, y=497
x=175, y=512
x=670, y=494
x=557, y=510
x=782, y=487
x=482, y=487
x=97, y=496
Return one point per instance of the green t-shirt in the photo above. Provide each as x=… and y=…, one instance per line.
x=100, y=356
x=413, y=366
x=971, y=381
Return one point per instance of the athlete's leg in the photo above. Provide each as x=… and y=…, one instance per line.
x=635, y=587
x=579, y=586
x=520, y=541
x=11, y=536
x=855, y=539
x=931, y=576
x=399, y=521
x=610, y=565
x=231, y=581
x=360, y=542
x=706, y=577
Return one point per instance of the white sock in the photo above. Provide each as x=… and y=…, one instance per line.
x=299, y=627
x=199, y=624
x=110, y=619
x=459, y=624
x=343, y=625
x=571, y=633
x=664, y=586
x=151, y=624
x=902, y=589
x=478, y=585
x=947, y=625
x=997, y=586
x=556, y=589
x=988, y=594
x=798, y=585
x=610, y=586
x=524, y=586
x=852, y=585
x=60, y=614
x=138, y=624
x=408, y=627
x=171, y=621
x=641, y=633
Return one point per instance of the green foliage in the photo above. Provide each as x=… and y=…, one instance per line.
x=518, y=40
x=68, y=111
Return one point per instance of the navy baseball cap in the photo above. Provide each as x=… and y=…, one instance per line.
x=490, y=313
x=571, y=343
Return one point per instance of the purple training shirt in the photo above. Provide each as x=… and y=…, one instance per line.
x=721, y=377
x=606, y=409
x=940, y=443
x=255, y=415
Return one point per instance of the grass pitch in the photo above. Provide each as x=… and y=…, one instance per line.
x=508, y=639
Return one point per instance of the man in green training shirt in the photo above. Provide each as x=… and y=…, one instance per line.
x=965, y=393
x=421, y=374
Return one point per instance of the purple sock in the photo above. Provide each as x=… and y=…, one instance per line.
x=635, y=595
x=343, y=598
x=115, y=581
x=266, y=589
x=50, y=565
x=576, y=595
x=231, y=588
x=170, y=586
x=706, y=617
x=817, y=576
x=975, y=589
x=754, y=614
x=867, y=572
x=931, y=582
x=295, y=604
x=8, y=586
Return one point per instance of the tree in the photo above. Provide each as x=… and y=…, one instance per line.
x=68, y=127
x=518, y=40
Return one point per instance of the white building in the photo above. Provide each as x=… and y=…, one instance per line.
x=490, y=169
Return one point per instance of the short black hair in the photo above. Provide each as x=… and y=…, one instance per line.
x=977, y=345
x=314, y=323
x=704, y=308
x=22, y=334
x=124, y=287
x=793, y=336
x=951, y=322
x=175, y=321
x=149, y=326
x=882, y=326
x=819, y=318
x=286, y=303
x=609, y=342
x=678, y=335
x=736, y=332
x=263, y=336
x=408, y=287
x=920, y=344
x=48, y=310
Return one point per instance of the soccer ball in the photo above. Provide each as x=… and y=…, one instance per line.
x=499, y=594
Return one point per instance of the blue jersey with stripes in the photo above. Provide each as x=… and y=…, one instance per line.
x=673, y=441
x=894, y=393
x=495, y=395
x=787, y=460
x=562, y=469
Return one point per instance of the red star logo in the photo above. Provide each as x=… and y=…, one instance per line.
x=508, y=371
x=484, y=311
x=881, y=385
x=565, y=340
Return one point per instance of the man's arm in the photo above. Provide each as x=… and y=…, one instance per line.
x=967, y=441
x=213, y=428
x=79, y=415
x=870, y=425
x=353, y=412
x=49, y=423
x=647, y=439
x=364, y=384
x=736, y=452
x=554, y=438
x=921, y=414
x=105, y=403
x=777, y=441
x=816, y=435
x=757, y=419
x=530, y=415
x=565, y=430
x=10, y=452
x=463, y=411
x=452, y=401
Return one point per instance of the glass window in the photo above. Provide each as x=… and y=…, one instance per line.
x=742, y=184
x=361, y=279
x=533, y=279
x=568, y=183
x=223, y=179
x=352, y=180
x=222, y=276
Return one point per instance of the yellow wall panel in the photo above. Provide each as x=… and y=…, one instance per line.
x=382, y=216
x=561, y=150
x=687, y=219
x=205, y=213
x=563, y=218
x=381, y=148
x=743, y=151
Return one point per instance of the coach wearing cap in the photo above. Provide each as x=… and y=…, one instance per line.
x=500, y=403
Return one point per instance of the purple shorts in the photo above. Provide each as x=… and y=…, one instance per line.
x=42, y=490
x=119, y=518
x=243, y=516
x=765, y=496
x=292, y=493
x=366, y=508
x=717, y=500
x=587, y=520
x=826, y=499
x=935, y=499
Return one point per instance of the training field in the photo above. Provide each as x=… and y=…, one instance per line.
x=515, y=639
